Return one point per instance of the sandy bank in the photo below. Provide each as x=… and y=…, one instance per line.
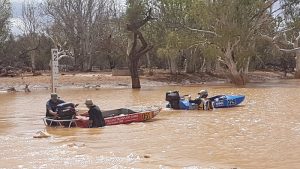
x=106, y=80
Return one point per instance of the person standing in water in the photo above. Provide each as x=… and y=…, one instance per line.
x=95, y=115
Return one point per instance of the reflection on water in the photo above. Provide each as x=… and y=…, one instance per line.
x=262, y=133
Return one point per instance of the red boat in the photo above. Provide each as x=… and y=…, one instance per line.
x=111, y=117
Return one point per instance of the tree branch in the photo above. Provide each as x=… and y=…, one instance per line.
x=268, y=4
x=290, y=50
x=236, y=42
x=137, y=25
x=29, y=50
x=221, y=60
x=296, y=43
x=145, y=47
x=203, y=31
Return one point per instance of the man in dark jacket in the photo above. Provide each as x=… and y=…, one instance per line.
x=95, y=115
x=51, y=106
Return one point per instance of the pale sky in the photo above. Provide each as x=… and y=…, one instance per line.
x=16, y=20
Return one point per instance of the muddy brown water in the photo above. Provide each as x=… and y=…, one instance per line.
x=264, y=132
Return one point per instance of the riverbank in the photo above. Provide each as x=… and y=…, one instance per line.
x=107, y=80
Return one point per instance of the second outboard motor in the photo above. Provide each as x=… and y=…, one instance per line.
x=66, y=110
x=173, y=98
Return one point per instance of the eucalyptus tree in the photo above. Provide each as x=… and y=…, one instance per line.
x=170, y=51
x=137, y=45
x=176, y=44
x=5, y=11
x=289, y=31
x=230, y=28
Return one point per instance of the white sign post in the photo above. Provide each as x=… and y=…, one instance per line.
x=54, y=69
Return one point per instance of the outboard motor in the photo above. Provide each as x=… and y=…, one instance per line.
x=173, y=98
x=66, y=110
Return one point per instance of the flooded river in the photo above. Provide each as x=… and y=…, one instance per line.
x=262, y=133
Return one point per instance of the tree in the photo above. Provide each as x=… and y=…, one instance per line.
x=290, y=37
x=4, y=29
x=79, y=25
x=31, y=29
x=5, y=9
x=231, y=27
x=173, y=42
x=134, y=50
x=171, y=51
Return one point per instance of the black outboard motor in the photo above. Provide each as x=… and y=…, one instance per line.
x=66, y=110
x=173, y=98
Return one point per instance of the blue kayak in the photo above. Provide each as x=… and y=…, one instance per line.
x=219, y=101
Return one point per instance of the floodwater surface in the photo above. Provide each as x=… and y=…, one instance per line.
x=264, y=132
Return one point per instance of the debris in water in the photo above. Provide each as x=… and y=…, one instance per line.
x=147, y=156
x=41, y=134
x=76, y=145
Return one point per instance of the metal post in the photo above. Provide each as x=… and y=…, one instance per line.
x=52, y=78
x=54, y=69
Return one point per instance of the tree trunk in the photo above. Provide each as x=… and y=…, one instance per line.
x=173, y=66
x=296, y=45
x=86, y=50
x=134, y=73
x=109, y=53
x=78, y=57
x=202, y=68
x=219, y=68
x=149, y=64
x=247, y=66
x=297, y=72
x=208, y=66
x=190, y=63
x=237, y=79
x=90, y=57
x=133, y=60
x=134, y=52
x=235, y=76
x=148, y=61
x=33, y=68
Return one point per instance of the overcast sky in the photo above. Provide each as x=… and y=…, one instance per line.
x=16, y=21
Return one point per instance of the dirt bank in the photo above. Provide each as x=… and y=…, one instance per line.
x=106, y=80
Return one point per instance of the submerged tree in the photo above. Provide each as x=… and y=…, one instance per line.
x=136, y=50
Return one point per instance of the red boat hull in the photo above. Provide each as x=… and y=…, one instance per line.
x=83, y=122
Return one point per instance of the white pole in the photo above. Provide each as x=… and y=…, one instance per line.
x=54, y=69
x=52, y=78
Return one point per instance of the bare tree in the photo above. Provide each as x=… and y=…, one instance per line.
x=30, y=15
x=79, y=23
